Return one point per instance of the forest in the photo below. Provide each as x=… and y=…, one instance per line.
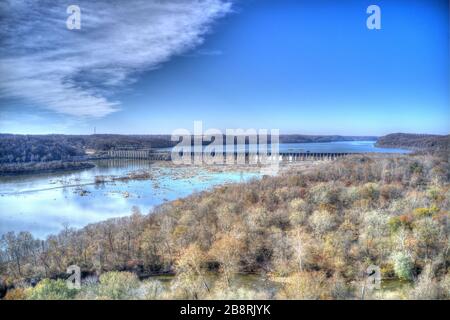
x=302, y=235
x=24, y=148
x=415, y=141
x=41, y=148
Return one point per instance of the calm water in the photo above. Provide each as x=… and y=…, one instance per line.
x=337, y=146
x=43, y=204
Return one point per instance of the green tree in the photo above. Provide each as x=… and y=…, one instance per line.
x=403, y=265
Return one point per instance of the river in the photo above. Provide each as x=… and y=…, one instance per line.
x=44, y=203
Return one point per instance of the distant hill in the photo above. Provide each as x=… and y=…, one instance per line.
x=16, y=148
x=41, y=148
x=415, y=141
x=300, y=138
x=31, y=148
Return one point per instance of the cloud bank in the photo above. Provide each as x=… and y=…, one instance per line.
x=76, y=72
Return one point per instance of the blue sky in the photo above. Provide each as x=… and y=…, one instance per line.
x=307, y=67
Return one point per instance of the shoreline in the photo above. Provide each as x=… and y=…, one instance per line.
x=186, y=172
x=303, y=193
x=29, y=168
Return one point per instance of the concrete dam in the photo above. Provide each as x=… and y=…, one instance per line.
x=248, y=156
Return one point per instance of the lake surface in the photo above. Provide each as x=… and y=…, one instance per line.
x=44, y=203
x=336, y=146
x=339, y=146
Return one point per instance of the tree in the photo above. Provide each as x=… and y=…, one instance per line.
x=118, y=285
x=227, y=251
x=426, y=287
x=190, y=276
x=403, y=265
x=429, y=237
x=322, y=221
x=300, y=241
x=306, y=286
x=19, y=250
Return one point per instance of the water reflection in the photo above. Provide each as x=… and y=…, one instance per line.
x=44, y=203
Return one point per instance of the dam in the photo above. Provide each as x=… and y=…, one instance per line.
x=233, y=156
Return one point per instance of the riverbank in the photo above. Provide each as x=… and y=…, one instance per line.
x=43, y=203
x=315, y=230
x=42, y=167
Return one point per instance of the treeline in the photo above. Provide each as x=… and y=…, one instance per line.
x=41, y=148
x=39, y=167
x=314, y=232
x=26, y=148
x=301, y=138
x=115, y=141
x=415, y=141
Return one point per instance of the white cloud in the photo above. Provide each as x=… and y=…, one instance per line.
x=75, y=72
